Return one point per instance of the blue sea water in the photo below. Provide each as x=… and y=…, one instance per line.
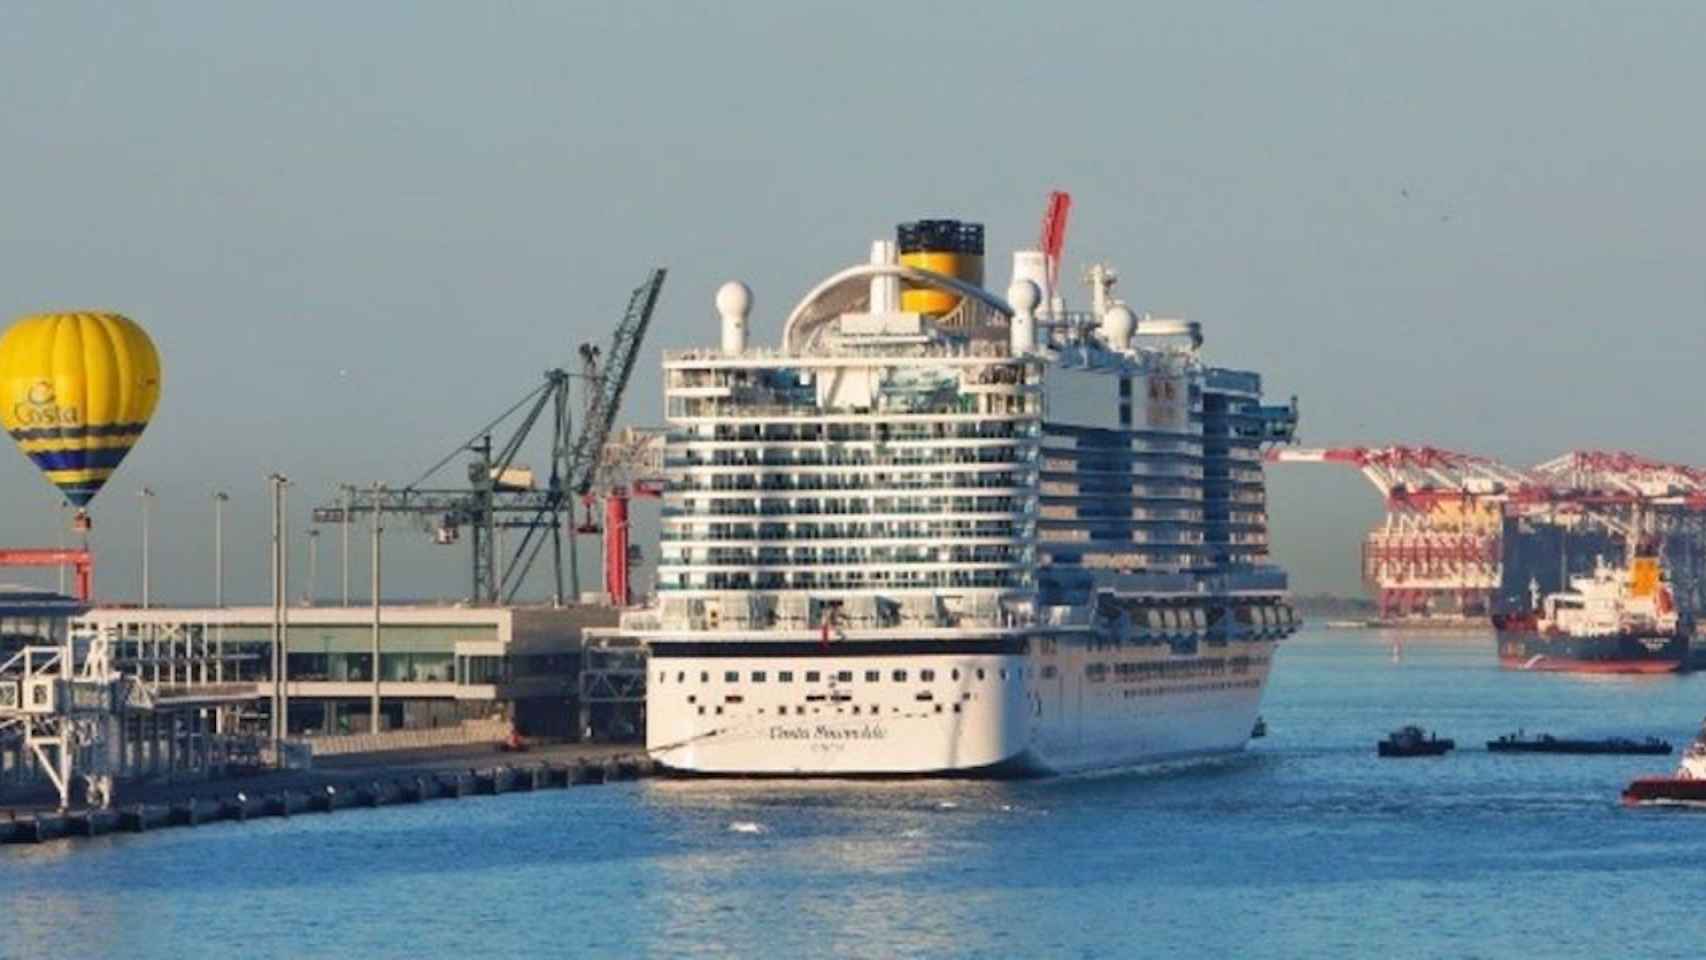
x=1307, y=846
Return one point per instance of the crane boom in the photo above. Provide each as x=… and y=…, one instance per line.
x=583, y=457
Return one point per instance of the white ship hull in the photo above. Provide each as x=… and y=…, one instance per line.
x=998, y=715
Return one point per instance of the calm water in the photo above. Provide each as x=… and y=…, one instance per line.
x=1308, y=846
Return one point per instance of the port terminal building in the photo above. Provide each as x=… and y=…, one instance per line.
x=441, y=667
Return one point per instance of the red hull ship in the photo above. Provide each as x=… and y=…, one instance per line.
x=1613, y=621
x=1685, y=787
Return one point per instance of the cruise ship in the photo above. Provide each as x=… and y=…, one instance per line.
x=938, y=531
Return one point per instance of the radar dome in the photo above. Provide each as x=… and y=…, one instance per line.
x=1024, y=296
x=734, y=302
x=1118, y=324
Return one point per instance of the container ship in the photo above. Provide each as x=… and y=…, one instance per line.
x=937, y=531
x=1616, y=619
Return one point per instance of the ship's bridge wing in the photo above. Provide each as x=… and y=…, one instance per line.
x=849, y=291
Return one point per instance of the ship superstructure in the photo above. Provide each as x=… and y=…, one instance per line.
x=935, y=530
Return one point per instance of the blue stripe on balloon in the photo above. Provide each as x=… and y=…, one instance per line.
x=79, y=493
x=23, y=434
x=102, y=458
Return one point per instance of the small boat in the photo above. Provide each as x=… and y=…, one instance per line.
x=1546, y=743
x=1260, y=730
x=1409, y=742
x=1686, y=786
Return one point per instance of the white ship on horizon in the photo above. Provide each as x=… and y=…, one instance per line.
x=938, y=531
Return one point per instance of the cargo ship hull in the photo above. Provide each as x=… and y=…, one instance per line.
x=1522, y=647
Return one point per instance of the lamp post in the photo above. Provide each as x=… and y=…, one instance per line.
x=280, y=617
x=147, y=496
x=219, y=499
x=313, y=566
x=343, y=526
x=378, y=529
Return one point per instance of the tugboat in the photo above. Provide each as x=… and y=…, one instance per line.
x=1409, y=742
x=1686, y=787
x=1546, y=743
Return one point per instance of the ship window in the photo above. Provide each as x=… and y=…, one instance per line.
x=900, y=676
x=731, y=676
x=662, y=677
x=704, y=677
x=956, y=673
x=719, y=711
x=956, y=708
x=980, y=673
x=785, y=676
x=681, y=676
x=872, y=676
x=692, y=698
x=845, y=676
x=759, y=676
x=701, y=710
x=1003, y=673
x=927, y=675
x=812, y=676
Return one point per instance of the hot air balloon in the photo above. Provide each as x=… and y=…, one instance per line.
x=76, y=391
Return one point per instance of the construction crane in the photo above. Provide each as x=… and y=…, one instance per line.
x=503, y=495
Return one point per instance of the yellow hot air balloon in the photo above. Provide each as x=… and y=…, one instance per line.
x=76, y=391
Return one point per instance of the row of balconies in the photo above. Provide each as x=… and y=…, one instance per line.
x=860, y=430
x=847, y=580
x=843, y=556
x=793, y=457
x=789, y=483
x=792, y=532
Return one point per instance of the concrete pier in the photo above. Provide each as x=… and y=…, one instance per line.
x=339, y=784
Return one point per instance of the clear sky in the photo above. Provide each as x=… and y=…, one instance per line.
x=358, y=230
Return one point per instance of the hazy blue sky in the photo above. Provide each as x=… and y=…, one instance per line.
x=357, y=230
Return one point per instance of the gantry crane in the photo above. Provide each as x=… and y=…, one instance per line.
x=502, y=495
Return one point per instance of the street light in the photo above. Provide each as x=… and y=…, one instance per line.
x=220, y=498
x=313, y=566
x=280, y=618
x=147, y=496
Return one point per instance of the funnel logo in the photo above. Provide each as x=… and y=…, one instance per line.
x=40, y=408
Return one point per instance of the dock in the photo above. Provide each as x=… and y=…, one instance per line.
x=353, y=781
